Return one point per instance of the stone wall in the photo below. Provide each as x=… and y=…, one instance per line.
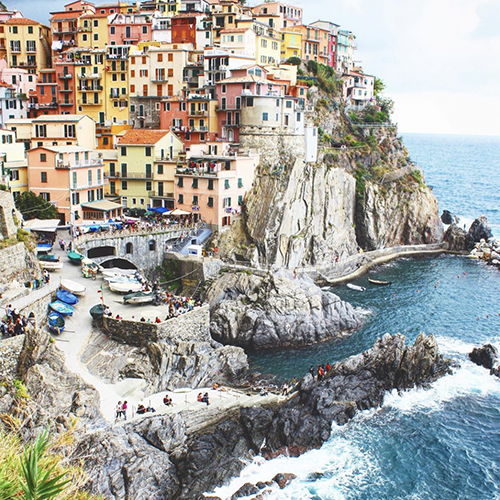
x=272, y=145
x=151, y=116
x=191, y=326
x=9, y=353
x=38, y=308
x=142, y=255
x=7, y=210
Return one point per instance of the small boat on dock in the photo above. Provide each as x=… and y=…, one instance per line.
x=43, y=248
x=48, y=257
x=116, y=271
x=56, y=322
x=356, y=287
x=139, y=298
x=75, y=257
x=62, y=308
x=97, y=311
x=51, y=265
x=73, y=287
x=379, y=282
x=125, y=286
x=66, y=297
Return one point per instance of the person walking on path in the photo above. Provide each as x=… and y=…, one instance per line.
x=118, y=410
x=124, y=410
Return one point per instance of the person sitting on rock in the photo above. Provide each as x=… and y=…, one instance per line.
x=284, y=389
x=263, y=391
x=141, y=410
x=205, y=399
x=199, y=398
x=167, y=401
x=150, y=409
x=157, y=320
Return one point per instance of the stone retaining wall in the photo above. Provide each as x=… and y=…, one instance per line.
x=9, y=353
x=191, y=326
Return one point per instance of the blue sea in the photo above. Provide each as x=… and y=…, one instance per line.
x=442, y=443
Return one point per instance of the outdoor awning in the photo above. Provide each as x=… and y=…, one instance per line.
x=103, y=205
x=160, y=210
x=178, y=211
x=41, y=224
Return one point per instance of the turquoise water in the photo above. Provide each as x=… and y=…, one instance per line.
x=443, y=443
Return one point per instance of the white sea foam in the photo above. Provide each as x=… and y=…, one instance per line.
x=336, y=467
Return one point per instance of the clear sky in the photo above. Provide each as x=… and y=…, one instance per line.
x=439, y=59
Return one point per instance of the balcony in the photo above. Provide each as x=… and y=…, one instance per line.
x=84, y=88
x=66, y=103
x=83, y=62
x=129, y=175
x=92, y=162
x=64, y=31
x=43, y=105
x=69, y=89
x=198, y=112
x=196, y=172
x=117, y=57
x=84, y=29
x=232, y=124
x=159, y=79
x=65, y=76
x=91, y=76
x=90, y=103
x=160, y=194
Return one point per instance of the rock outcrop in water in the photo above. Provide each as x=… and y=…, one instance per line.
x=479, y=230
x=276, y=311
x=486, y=356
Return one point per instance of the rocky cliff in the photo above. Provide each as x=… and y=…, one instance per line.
x=276, y=311
x=362, y=191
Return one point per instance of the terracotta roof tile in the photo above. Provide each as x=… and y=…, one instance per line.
x=21, y=20
x=142, y=136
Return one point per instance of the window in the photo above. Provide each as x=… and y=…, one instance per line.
x=180, y=182
x=152, y=245
x=41, y=130
x=265, y=117
x=223, y=88
x=170, y=57
x=74, y=180
x=195, y=183
x=149, y=186
x=96, y=23
x=96, y=37
x=69, y=131
x=43, y=177
x=129, y=248
x=89, y=177
x=250, y=102
x=148, y=150
x=226, y=184
x=195, y=200
x=180, y=200
x=123, y=151
x=160, y=169
x=45, y=196
x=240, y=200
x=75, y=198
x=226, y=202
x=210, y=201
x=43, y=157
x=124, y=185
x=30, y=30
x=112, y=30
x=240, y=183
x=210, y=184
x=144, y=30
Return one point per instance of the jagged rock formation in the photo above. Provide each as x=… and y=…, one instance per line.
x=259, y=313
x=448, y=218
x=484, y=356
x=183, y=461
x=165, y=366
x=389, y=216
x=456, y=238
x=363, y=192
x=479, y=230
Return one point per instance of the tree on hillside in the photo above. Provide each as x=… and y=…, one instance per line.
x=378, y=86
x=31, y=206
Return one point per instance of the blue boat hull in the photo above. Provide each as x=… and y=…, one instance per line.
x=62, y=308
x=67, y=297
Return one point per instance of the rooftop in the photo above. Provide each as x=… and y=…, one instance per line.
x=59, y=118
x=142, y=136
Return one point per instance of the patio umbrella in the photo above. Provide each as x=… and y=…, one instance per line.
x=178, y=211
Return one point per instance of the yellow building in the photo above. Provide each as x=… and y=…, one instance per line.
x=267, y=41
x=25, y=44
x=93, y=31
x=140, y=153
x=165, y=8
x=116, y=85
x=13, y=162
x=291, y=45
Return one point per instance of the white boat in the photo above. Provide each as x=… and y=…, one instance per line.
x=73, y=287
x=116, y=271
x=356, y=287
x=125, y=287
x=139, y=298
x=51, y=265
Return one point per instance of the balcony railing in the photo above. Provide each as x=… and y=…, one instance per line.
x=85, y=76
x=198, y=112
x=83, y=88
x=93, y=162
x=65, y=76
x=66, y=103
x=90, y=103
x=158, y=194
x=196, y=172
x=129, y=175
x=69, y=89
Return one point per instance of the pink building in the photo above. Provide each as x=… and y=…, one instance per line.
x=214, y=185
x=72, y=179
x=132, y=28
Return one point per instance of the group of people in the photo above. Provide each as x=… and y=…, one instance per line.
x=13, y=323
x=121, y=411
x=320, y=372
x=203, y=398
x=65, y=246
x=141, y=409
x=287, y=388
